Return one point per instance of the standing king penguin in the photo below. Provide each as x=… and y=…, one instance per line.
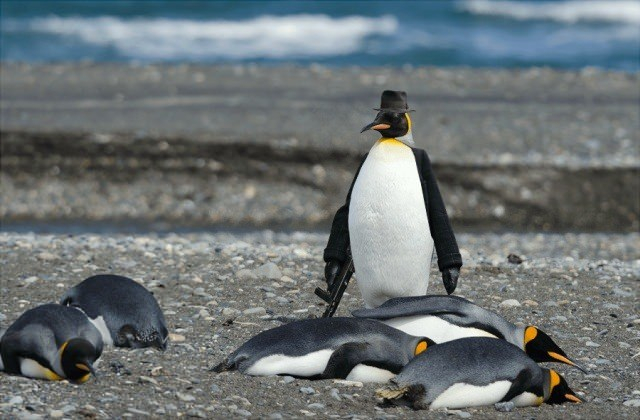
x=393, y=215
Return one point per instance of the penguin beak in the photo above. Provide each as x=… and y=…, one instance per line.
x=375, y=125
x=572, y=398
x=87, y=367
x=563, y=359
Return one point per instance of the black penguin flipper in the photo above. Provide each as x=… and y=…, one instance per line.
x=520, y=384
x=349, y=355
x=416, y=305
x=14, y=347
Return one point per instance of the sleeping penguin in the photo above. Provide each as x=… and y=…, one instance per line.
x=51, y=342
x=473, y=372
x=344, y=348
x=393, y=216
x=126, y=313
x=446, y=318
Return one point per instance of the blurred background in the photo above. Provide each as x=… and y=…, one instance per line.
x=168, y=116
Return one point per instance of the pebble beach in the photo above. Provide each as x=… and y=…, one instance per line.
x=219, y=289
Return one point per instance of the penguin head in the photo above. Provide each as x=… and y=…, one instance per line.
x=76, y=358
x=541, y=348
x=394, y=125
x=557, y=390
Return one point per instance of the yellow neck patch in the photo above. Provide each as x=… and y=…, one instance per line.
x=529, y=334
x=391, y=141
x=408, y=122
x=422, y=346
x=554, y=379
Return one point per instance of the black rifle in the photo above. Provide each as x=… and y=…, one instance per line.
x=339, y=286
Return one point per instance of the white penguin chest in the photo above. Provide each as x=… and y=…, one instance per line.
x=389, y=231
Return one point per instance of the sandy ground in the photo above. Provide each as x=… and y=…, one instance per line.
x=217, y=292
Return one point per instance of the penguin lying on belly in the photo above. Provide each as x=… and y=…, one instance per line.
x=346, y=348
x=476, y=371
x=446, y=318
x=125, y=313
x=51, y=342
x=393, y=216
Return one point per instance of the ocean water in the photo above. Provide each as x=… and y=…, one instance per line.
x=476, y=33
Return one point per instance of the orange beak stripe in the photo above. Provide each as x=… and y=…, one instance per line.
x=83, y=367
x=380, y=127
x=572, y=398
x=561, y=358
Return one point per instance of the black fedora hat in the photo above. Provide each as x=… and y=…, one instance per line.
x=394, y=101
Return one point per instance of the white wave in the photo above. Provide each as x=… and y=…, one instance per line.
x=622, y=11
x=262, y=37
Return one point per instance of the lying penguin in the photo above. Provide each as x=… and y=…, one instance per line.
x=51, y=342
x=125, y=313
x=446, y=318
x=345, y=348
x=476, y=371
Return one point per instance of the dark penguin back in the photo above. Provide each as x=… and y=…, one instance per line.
x=476, y=361
x=125, y=306
x=299, y=338
x=39, y=332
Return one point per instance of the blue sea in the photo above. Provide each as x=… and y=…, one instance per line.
x=477, y=33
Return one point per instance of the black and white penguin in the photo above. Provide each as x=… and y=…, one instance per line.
x=393, y=215
x=51, y=342
x=473, y=372
x=446, y=318
x=126, y=313
x=345, y=348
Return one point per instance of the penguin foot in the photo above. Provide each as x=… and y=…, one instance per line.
x=391, y=393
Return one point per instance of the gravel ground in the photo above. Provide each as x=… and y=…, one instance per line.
x=218, y=290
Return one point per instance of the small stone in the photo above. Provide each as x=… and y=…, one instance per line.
x=196, y=413
x=243, y=413
x=316, y=406
x=17, y=400
x=505, y=407
x=185, y=397
x=246, y=274
x=550, y=303
x=276, y=416
x=138, y=412
x=559, y=318
x=269, y=270
x=510, y=303
x=335, y=394
x=215, y=389
x=230, y=312
x=176, y=337
x=288, y=379
x=30, y=280
x=530, y=302
x=56, y=414
x=69, y=408
x=514, y=259
x=591, y=344
x=148, y=380
x=610, y=306
x=632, y=403
x=46, y=256
x=307, y=390
x=624, y=345
x=156, y=371
x=255, y=311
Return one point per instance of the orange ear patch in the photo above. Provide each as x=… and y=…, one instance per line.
x=530, y=333
x=555, y=378
x=422, y=346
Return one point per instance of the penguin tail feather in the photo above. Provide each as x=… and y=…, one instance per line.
x=392, y=393
x=224, y=366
